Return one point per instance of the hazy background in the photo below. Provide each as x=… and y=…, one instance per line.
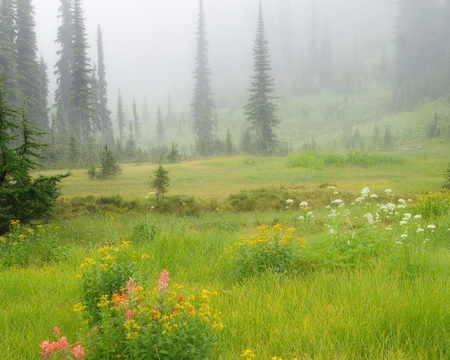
x=150, y=44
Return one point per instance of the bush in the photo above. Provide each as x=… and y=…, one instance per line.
x=266, y=251
x=144, y=232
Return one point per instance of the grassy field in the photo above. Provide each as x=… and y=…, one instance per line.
x=359, y=290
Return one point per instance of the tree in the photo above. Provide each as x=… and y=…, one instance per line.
x=22, y=197
x=120, y=118
x=137, y=123
x=8, y=54
x=28, y=72
x=104, y=113
x=95, y=102
x=109, y=165
x=174, y=155
x=260, y=110
x=202, y=105
x=80, y=99
x=159, y=126
x=65, y=53
x=161, y=181
x=229, y=144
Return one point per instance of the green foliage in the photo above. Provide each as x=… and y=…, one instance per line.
x=433, y=205
x=174, y=155
x=266, y=251
x=136, y=323
x=161, y=181
x=360, y=157
x=109, y=165
x=144, y=232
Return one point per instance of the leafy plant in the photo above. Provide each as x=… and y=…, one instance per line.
x=144, y=232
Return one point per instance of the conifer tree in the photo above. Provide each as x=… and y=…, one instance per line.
x=95, y=102
x=130, y=145
x=80, y=100
x=202, y=104
x=137, y=123
x=120, y=118
x=65, y=53
x=73, y=150
x=260, y=110
x=174, y=155
x=159, y=126
x=8, y=54
x=109, y=165
x=28, y=72
x=161, y=181
x=104, y=113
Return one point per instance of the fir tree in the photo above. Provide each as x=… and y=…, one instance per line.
x=137, y=123
x=73, y=150
x=161, y=181
x=202, y=104
x=260, y=110
x=159, y=126
x=130, y=145
x=8, y=54
x=28, y=72
x=104, y=113
x=109, y=165
x=80, y=99
x=174, y=155
x=65, y=53
x=22, y=197
x=120, y=118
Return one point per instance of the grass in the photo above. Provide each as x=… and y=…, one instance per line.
x=379, y=307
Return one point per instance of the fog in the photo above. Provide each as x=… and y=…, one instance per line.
x=150, y=44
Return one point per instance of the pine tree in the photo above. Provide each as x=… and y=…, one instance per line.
x=170, y=118
x=260, y=110
x=109, y=165
x=104, y=113
x=28, y=72
x=80, y=99
x=161, y=181
x=65, y=53
x=159, y=126
x=137, y=123
x=130, y=145
x=73, y=150
x=8, y=54
x=202, y=104
x=22, y=197
x=174, y=155
x=120, y=118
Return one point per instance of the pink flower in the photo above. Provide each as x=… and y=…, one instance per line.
x=163, y=281
x=56, y=331
x=46, y=349
x=130, y=286
x=129, y=314
x=78, y=352
x=180, y=299
x=64, y=344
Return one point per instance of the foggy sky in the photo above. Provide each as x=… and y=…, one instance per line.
x=149, y=45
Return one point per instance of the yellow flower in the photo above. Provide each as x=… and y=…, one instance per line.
x=248, y=354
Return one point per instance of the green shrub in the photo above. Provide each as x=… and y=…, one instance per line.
x=144, y=232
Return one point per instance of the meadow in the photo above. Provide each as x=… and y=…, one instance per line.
x=365, y=274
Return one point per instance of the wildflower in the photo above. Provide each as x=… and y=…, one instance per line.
x=403, y=222
x=369, y=218
x=128, y=314
x=409, y=200
x=289, y=201
x=301, y=218
x=388, y=191
x=180, y=299
x=419, y=230
x=337, y=201
x=399, y=242
x=328, y=207
x=163, y=281
x=130, y=286
x=388, y=228
x=359, y=199
x=248, y=354
x=310, y=214
x=432, y=227
x=63, y=343
x=365, y=192
x=331, y=187
x=303, y=204
x=374, y=196
x=348, y=242
x=417, y=216
x=404, y=236
x=56, y=330
x=407, y=216
x=335, y=193
x=78, y=352
x=401, y=201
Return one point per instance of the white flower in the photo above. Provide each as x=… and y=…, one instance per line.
x=146, y=197
x=432, y=227
x=388, y=191
x=152, y=193
x=352, y=204
x=374, y=196
x=409, y=200
x=348, y=242
x=289, y=201
x=419, y=230
x=401, y=206
x=417, y=216
x=341, y=205
x=365, y=192
x=303, y=204
x=403, y=223
x=388, y=228
x=310, y=213
x=406, y=216
x=369, y=218
x=404, y=236
x=337, y=201
x=301, y=218
x=399, y=242
x=328, y=207
x=331, y=187
x=359, y=199
x=331, y=231
x=401, y=201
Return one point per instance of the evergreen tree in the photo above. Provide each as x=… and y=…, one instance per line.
x=120, y=118
x=159, y=126
x=22, y=197
x=174, y=155
x=130, y=145
x=8, y=54
x=260, y=110
x=73, y=150
x=202, y=103
x=104, y=113
x=137, y=123
x=109, y=165
x=95, y=102
x=80, y=99
x=28, y=72
x=161, y=181
x=65, y=53
x=229, y=144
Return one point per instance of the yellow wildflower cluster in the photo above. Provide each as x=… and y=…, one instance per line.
x=433, y=205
